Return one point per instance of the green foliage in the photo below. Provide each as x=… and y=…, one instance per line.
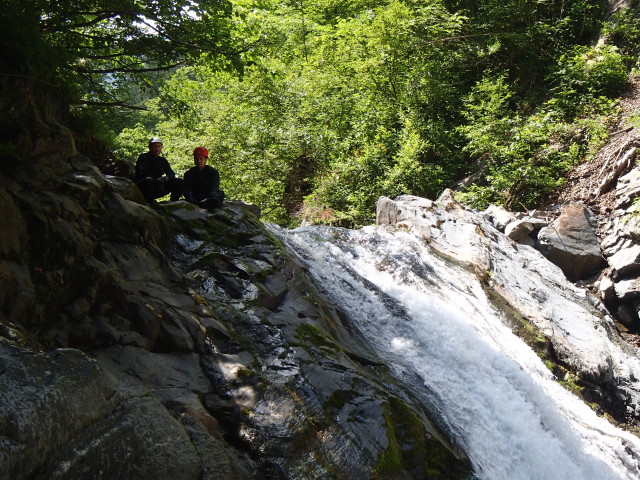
x=623, y=31
x=410, y=448
x=585, y=74
x=110, y=52
x=525, y=158
x=345, y=101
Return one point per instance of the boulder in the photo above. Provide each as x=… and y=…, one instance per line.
x=626, y=261
x=628, y=288
x=606, y=288
x=571, y=243
x=628, y=189
x=519, y=229
x=499, y=216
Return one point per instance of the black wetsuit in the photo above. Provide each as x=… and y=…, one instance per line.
x=155, y=178
x=202, y=187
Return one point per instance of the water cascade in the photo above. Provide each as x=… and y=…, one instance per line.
x=432, y=322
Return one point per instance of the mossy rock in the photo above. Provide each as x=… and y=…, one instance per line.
x=412, y=450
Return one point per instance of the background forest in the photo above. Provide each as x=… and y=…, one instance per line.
x=313, y=110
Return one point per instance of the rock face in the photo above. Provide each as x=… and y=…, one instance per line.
x=169, y=342
x=619, y=283
x=579, y=335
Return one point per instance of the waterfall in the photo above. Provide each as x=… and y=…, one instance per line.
x=431, y=321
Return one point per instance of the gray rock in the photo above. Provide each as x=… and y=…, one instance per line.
x=571, y=242
x=205, y=336
x=499, y=216
x=628, y=188
x=537, y=222
x=527, y=241
x=606, y=288
x=627, y=260
x=518, y=230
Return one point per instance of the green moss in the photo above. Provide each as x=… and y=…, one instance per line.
x=518, y=323
x=412, y=448
x=314, y=336
x=336, y=401
x=244, y=373
x=391, y=460
x=569, y=382
x=198, y=298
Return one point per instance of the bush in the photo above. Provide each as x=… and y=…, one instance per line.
x=586, y=74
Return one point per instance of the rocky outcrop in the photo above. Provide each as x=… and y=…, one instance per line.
x=169, y=342
x=578, y=335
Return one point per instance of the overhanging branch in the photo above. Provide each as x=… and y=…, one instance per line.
x=110, y=104
x=127, y=69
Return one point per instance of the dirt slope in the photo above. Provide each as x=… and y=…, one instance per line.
x=593, y=183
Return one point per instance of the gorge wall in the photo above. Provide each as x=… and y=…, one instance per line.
x=168, y=342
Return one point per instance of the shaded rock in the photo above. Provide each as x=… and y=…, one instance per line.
x=13, y=231
x=628, y=315
x=527, y=241
x=156, y=447
x=17, y=292
x=571, y=242
x=45, y=401
x=126, y=188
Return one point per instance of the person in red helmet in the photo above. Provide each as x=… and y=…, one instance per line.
x=201, y=184
x=154, y=176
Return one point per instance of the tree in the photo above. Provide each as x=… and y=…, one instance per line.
x=104, y=51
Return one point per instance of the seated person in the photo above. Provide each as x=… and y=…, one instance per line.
x=201, y=185
x=154, y=176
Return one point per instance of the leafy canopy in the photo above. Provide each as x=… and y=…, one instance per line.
x=105, y=51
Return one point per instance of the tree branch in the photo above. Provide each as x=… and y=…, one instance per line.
x=127, y=69
x=54, y=26
x=110, y=104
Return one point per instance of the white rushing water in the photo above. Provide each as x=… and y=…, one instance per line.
x=431, y=320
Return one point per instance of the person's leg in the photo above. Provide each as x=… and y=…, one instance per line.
x=214, y=200
x=160, y=188
x=217, y=197
x=147, y=188
x=175, y=187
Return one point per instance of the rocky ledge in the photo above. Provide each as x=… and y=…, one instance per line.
x=169, y=342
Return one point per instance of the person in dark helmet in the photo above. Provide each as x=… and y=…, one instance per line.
x=201, y=185
x=154, y=176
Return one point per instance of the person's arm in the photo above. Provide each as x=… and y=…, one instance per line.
x=215, y=180
x=141, y=171
x=168, y=171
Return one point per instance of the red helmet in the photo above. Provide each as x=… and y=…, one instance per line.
x=201, y=151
